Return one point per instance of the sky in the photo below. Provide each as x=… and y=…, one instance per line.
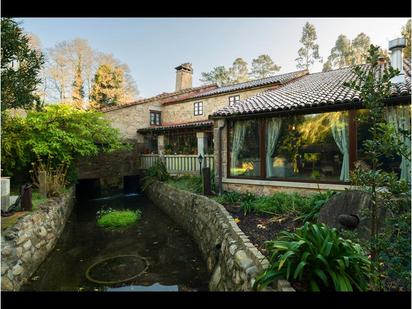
x=153, y=47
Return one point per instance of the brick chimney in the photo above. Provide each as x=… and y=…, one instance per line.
x=395, y=46
x=184, y=74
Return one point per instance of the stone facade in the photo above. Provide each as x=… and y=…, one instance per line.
x=131, y=118
x=25, y=245
x=232, y=260
x=183, y=111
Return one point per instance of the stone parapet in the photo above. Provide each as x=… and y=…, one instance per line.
x=26, y=245
x=232, y=260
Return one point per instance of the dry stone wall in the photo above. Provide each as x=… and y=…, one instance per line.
x=232, y=260
x=25, y=245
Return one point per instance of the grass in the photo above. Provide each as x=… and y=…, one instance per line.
x=189, y=183
x=117, y=219
x=37, y=199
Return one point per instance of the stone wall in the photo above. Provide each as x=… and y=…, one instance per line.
x=25, y=245
x=232, y=260
x=181, y=112
x=131, y=118
x=110, y=168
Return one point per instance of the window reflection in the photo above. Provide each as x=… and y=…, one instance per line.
x=400, y=117
x=244, y=148
x=313, y=147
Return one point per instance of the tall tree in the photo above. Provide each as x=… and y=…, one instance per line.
x=129, y=88
x=309, y=52
x=219, y=75
x=360, y=47
x=78, y=89
x=341, y=54
x=239, y=71
x=406, y=33
x=263, y=66
x=60, y=71
x=107, y=86
x=20, y=67
x=347, y=52
x=35, y=44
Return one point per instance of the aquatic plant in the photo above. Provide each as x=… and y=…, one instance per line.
x=115, y=219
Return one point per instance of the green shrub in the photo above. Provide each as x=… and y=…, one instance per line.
x=306, y=207
x=310, y=212
x=229, y=198
x=114, y=219
x=317, y=256
x=157, y=172
x=57, y=133
x=188, y=183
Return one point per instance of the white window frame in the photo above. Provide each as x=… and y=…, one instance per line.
x=198, y=108
x=234, y=99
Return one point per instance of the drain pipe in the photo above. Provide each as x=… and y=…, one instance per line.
x=220, y=185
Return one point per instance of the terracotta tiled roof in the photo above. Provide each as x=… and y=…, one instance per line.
x=170, y=126
x=324, y=88
x=275, y=79
x=165, y=97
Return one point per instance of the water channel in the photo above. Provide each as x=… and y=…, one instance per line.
x=173, y=259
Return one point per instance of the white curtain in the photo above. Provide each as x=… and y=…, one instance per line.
x=272, y=136
x=340, y=132
x=239, y=131
x=400, y=118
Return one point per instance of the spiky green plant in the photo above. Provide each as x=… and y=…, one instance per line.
x=157, y=172
x=316, y=255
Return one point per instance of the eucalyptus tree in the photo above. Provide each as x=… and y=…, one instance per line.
x=309, y=52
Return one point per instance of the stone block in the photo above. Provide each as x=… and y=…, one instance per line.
x=6, y=284
x=17, y=270
x=242, y=260
x=27, y=245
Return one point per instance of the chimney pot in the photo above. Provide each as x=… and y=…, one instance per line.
x=395, y=46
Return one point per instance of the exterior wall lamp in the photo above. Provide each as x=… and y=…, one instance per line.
x=200, y=158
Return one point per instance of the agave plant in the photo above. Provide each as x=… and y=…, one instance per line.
x=317, y=256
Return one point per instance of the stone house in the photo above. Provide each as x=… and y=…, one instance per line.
x=293, y=131
x=305, y=135
x=178, y=122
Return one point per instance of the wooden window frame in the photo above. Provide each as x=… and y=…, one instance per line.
x=262, y=145
x=156, y=114
x=234, y=99
x=198, y=107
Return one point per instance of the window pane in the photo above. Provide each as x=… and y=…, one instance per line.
x=244, y=148
x=398, y=116
x=308, y=147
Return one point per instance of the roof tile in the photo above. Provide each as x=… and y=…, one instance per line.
x=323, y=88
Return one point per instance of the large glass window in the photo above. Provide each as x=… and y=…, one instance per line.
x=400, y=117
x=244, y=148
x=308, y=147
